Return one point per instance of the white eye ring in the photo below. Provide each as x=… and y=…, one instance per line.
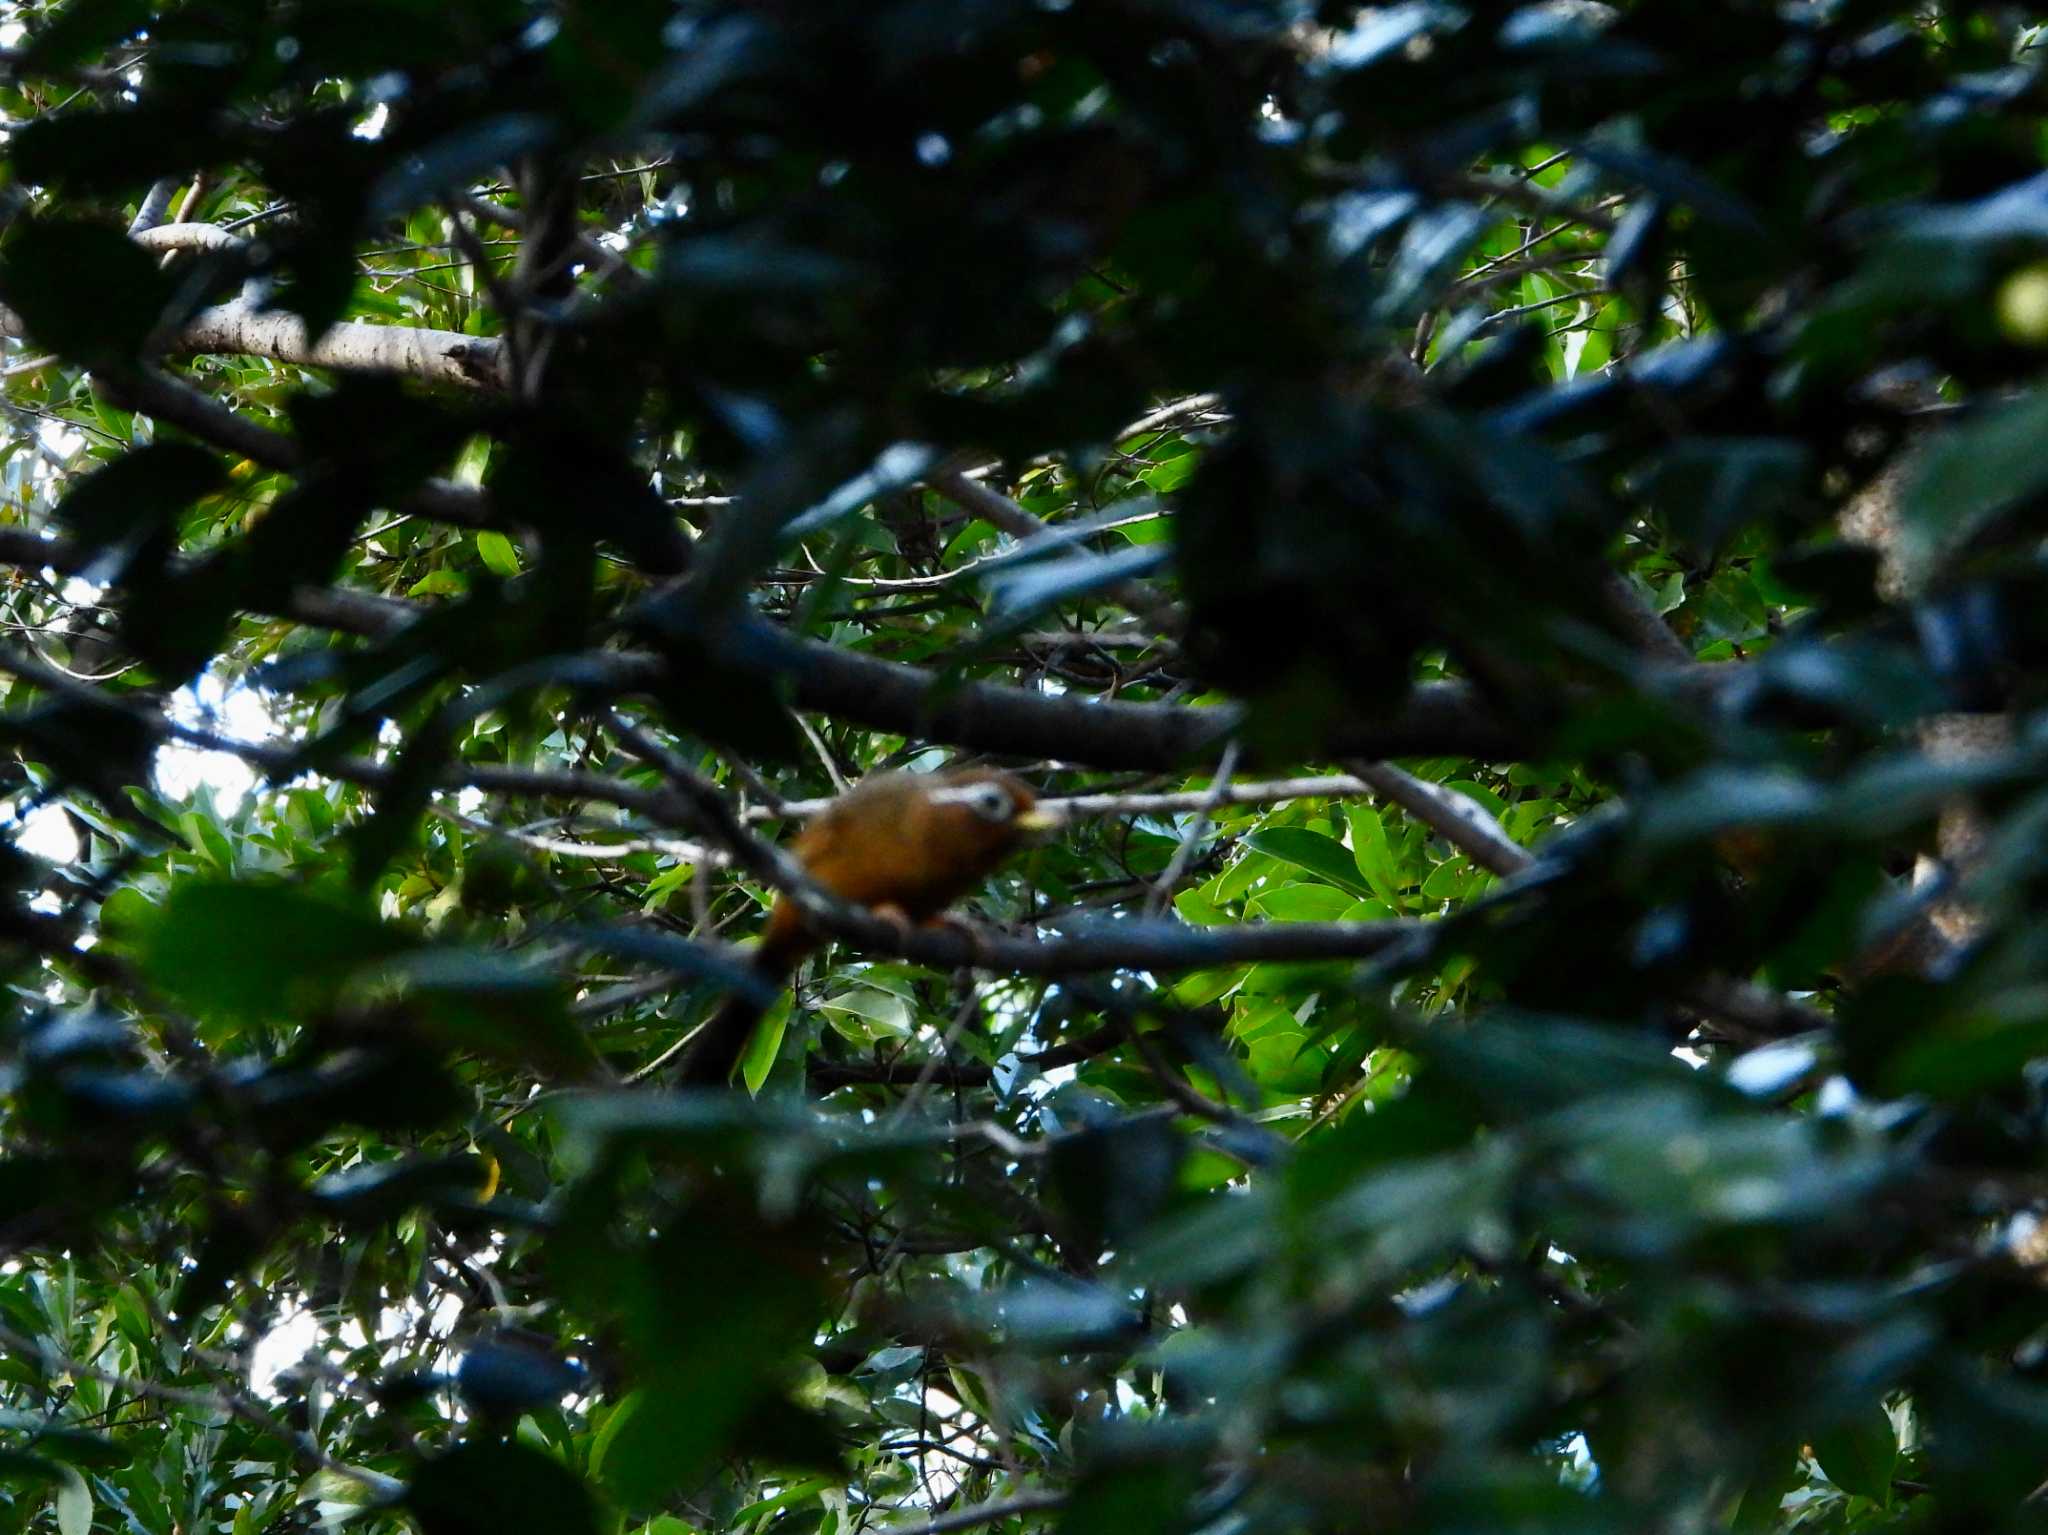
x=990, y=802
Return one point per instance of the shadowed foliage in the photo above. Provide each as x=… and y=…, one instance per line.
x=1512, y=532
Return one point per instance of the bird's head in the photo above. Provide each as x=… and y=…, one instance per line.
x=989, y=807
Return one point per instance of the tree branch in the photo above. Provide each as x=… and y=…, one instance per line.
x=150, y=393
x=1073, y=807
x=1460, y=821
x=188, y=237
x=435, y=356
x=978, y=1513
x=178, y=404
x=1436, y=718
x=1101, y=945
x=972, y=496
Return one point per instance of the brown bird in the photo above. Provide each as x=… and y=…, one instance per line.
x=905, y=845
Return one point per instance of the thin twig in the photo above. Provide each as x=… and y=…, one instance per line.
x=978, y=1513
x=825, y=757
x=1072, y=807
x=973, y=496
x=1191, y=834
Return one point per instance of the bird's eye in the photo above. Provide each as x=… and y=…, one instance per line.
x=990, y=802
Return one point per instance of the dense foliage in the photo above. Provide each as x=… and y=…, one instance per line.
x=471, y=464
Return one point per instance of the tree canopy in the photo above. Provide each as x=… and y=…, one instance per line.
x=1512, y=534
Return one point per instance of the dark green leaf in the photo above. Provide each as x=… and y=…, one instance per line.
x=261, y=950
x=481, y=1488
x=1859, y=1453
x=1321, y=855
x=83, y=290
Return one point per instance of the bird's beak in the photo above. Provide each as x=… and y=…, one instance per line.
x=1038, y=821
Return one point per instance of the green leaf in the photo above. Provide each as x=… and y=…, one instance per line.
x=1133, y=1486
x=801, y=1493
x=1173, y=473
x=699, y=1322
x=20, y=1464
x=1321, y=855
x=1373, y=857
x=126, y=915
x=80, y=1447
x=439, y=583
x=139, y=496
x=880, y=1014
x=1300, y=902
x=476, y=999
x=73, y=1502
x=83, y=290
x=470, y=465
x=1972, y=473
x=82, y=29
x=260, y=950
x=609, y=1427
x=1495, y=806
x=1859, y=1454
x=766, y=1046
x=333, y=1485
x=497, y=552
x=1761, y=1501
x=1449, y=880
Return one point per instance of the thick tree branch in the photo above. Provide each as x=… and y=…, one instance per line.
x=241, y=328
x=1748, y=1011
x=156, y=203
x=435, y=356
x=171, y=403
x=1436, y=719
x=178, y=404
x=413, y=351
x=1106, y=945
x=188, y=237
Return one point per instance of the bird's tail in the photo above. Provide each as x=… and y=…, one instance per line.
x=717, y=1048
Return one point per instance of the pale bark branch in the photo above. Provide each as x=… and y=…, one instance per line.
x=188, y=237
x=1074, y=807
x=412, y=351
x=156, y=203
x=1462, y=822
x=238, y=328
